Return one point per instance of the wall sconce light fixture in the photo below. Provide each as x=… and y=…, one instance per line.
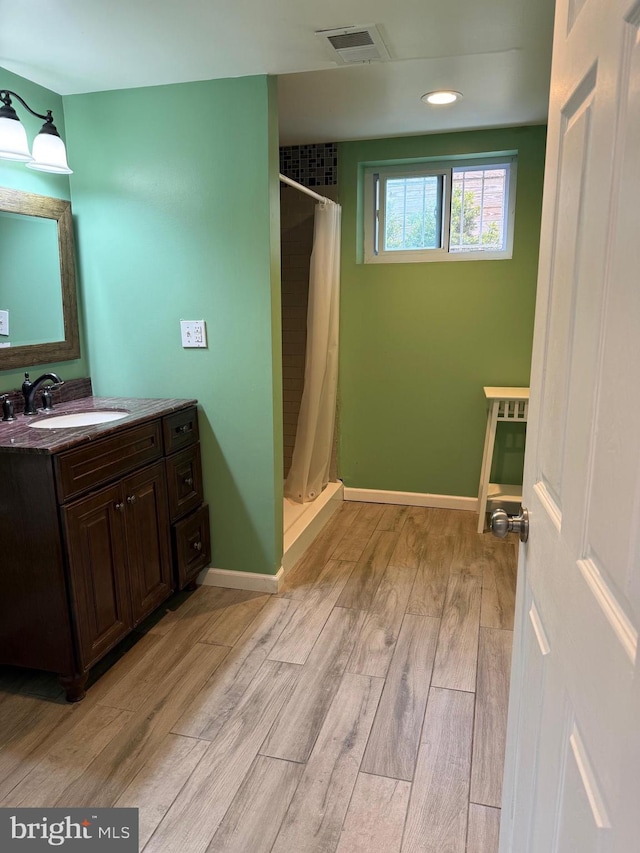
x=49, y=153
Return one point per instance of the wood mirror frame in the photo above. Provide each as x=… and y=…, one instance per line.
x=30, y=204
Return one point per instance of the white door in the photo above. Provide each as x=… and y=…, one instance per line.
x=572, y=776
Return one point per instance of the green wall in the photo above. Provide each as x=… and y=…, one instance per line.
x=419, y=341
x=175, y=195
x=17, y=176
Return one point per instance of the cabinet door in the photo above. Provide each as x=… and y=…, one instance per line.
x=147, y=525
x=95, y=530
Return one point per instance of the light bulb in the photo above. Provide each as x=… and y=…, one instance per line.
x=442, y=96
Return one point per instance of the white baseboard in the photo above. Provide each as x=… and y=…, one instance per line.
x=381, y=496
x=297, y=539
x=257, y=582
x=254, y=581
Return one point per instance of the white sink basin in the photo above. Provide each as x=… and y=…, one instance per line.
x=78, y=419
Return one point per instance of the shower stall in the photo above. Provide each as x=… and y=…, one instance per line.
x=310, y=239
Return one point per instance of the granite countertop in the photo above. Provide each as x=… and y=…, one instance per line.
x=18, y=436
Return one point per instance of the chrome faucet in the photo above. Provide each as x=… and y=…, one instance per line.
x=30, y=389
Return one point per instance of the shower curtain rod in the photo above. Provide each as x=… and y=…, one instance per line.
x=297, y=186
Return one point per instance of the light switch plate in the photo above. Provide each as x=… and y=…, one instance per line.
x=194, y=333
x=4, y=322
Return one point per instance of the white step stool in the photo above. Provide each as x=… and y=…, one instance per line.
x=505, y=404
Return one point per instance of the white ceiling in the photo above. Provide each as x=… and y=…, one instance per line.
x=497, y=52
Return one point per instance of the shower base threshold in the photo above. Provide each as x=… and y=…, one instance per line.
x=303, y=522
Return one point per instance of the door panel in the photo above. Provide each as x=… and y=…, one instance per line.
x=613, y=535
x=536, y=651
x=584, y=825
x=563, y=285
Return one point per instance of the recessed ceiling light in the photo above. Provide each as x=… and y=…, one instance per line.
x=442, y=96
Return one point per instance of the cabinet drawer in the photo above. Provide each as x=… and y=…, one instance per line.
x=184, y=482
x=192, y=545
x=100, y=461
x=180, y=430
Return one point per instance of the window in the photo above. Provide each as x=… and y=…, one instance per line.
x=462, y=210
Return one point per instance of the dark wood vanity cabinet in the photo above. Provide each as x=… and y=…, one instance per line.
x=116, y=525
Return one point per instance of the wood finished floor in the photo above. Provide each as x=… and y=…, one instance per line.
x=362, y=710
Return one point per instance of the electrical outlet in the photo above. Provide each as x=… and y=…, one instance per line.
x=4, y=322
x=194, y=333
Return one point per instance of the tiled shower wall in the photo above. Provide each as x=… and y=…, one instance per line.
x=296, y=218
x=311, y=165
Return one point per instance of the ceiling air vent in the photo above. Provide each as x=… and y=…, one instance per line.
x=355, y=44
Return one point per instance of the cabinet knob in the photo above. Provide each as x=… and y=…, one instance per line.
x=182, y=428
x=120, y=506
x=197, y=546
x=131, y=499
x=188, y=481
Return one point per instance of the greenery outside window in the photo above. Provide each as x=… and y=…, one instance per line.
x=458, y=210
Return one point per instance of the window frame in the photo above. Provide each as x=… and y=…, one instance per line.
x=375, y=178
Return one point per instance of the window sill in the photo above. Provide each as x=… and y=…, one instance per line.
x=436, y=257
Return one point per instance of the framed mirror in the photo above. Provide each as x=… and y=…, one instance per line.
x=38, y=302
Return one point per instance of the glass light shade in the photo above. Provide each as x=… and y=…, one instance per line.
x=441, y=97
x=13, y=140
x=49, y=155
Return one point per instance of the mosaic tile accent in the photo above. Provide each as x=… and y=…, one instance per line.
x=311, y=165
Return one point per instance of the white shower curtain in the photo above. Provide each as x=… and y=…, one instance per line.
x=309, y=472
